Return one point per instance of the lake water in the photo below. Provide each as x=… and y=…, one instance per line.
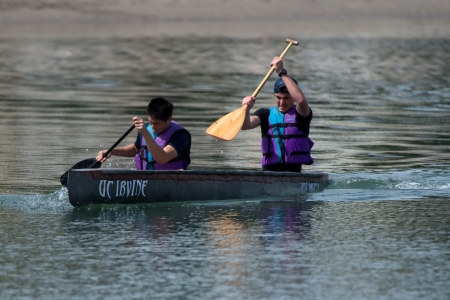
x=379, y=230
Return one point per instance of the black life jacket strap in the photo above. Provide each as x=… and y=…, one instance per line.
x=300, y=153
x=283, y=125
x=285, y=136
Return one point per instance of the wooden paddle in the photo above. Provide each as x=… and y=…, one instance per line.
x=228, y=126
x=92, y=163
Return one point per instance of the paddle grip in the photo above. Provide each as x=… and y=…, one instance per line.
x=258, y=89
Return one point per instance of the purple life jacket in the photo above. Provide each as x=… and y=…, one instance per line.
x=144, y=159
x=284, y=143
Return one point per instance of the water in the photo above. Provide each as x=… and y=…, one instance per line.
x=380, y=230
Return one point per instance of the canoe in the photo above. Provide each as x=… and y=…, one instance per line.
x=123, y=186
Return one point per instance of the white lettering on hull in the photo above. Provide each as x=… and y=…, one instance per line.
x=123, y=188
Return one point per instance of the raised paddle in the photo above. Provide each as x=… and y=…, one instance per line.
x=228, y=126
x=92, y=163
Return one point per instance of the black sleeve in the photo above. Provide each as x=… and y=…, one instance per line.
x=179, y=141
x=263, y=115
x=304, y=122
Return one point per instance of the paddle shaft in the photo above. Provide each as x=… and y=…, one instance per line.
x=115, y=144
x=258, y=89
x=92, y=162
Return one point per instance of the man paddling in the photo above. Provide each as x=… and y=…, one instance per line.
x=161, y=144
x=285, y=127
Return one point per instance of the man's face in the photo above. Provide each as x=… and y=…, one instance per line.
x=158, y=125
x=284, y=102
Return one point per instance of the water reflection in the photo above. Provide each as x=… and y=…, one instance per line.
x=224, y=220
x=215, y=237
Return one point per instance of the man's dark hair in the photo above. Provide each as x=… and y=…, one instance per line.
x=160, y=108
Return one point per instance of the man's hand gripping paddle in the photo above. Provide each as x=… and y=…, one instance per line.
x=228, y=126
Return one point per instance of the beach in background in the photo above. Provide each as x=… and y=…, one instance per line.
x=233, y=18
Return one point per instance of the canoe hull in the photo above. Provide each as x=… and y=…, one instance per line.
x=120, y=186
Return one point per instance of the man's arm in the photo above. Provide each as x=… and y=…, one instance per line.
x=126, y=151
x=298, y=96
x=160, y=155
x=295, y=92
x=250, y=122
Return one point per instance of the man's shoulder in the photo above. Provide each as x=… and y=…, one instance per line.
x=180, y=140
x=180, y=134
x=262, y=113
x=304, y=119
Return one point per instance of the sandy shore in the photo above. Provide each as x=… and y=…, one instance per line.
x=234, y=18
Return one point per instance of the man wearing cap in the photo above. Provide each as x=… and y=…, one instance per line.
x=284, y=127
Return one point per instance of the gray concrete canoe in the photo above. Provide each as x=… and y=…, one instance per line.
x=103, y=186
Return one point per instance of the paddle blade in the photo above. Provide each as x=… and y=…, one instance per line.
x=228, y=126
x=84, y=164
